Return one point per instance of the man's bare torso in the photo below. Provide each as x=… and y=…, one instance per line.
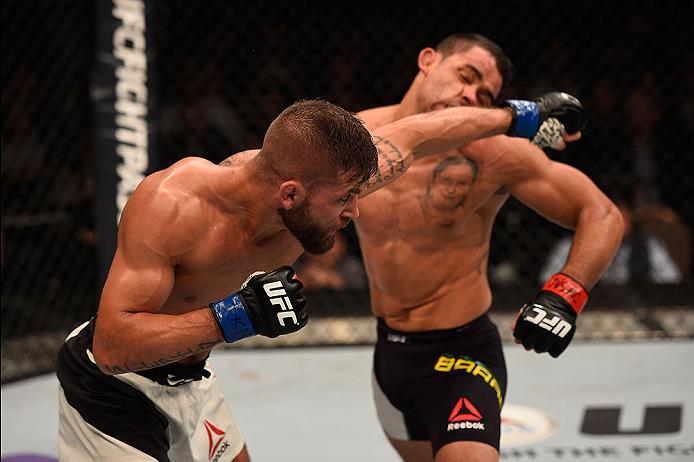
x=426, y=256
x=220, y=263
x=221, y=251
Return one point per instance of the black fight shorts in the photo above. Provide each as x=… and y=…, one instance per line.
x=442, y=386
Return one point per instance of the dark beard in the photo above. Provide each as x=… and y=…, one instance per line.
x=314, y=238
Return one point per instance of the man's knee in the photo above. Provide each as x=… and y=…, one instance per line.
x=242, y=456
x=467, y=451
x=413, y=451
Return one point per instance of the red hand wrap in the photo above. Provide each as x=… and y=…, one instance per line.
x=569, y=290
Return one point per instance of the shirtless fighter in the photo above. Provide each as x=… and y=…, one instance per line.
x=135, y=383
x=439, y=371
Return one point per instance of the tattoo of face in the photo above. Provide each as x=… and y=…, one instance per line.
x=450, y=182
x=137, y=366
x=390, y=161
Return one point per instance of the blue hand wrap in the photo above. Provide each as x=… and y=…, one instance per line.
x=527, y=118
x=232, y=318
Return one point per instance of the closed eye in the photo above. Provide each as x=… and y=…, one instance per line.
x=467, y=78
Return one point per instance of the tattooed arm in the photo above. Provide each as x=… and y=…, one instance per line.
x=402, y=142
x=391, y=164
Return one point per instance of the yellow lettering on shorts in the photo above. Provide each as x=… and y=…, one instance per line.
x=482, y=372
x=464, y=364
x=495, y=385
x=447, y=363
x=444, y=364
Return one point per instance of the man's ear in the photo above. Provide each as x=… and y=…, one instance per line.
x=427, y=60
x=292, y=194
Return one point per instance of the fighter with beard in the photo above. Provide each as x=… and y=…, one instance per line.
x=135, y=381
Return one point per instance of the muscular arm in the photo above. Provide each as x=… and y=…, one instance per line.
x=401, y=142
x=131, y=332
x=567, y=197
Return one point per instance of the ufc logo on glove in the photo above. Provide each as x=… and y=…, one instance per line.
x=547, y=323
x=253, y=309
x=277, y=295
x=556, y=325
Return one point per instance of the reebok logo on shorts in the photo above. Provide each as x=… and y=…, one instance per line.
x=215, y=436
x=465, y=416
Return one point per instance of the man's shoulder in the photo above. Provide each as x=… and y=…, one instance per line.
x=167, y=210
x=513, y=158
x=182, y=170
x=167, y=193
x=179, y=179
x=239, y=158
x=190, y=166
x=375, y=117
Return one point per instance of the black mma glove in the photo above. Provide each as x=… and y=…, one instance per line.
x=268, y=304
x=544, y=119
x=548, y=323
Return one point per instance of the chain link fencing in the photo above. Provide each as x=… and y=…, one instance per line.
x=48, y=251
x=226, y=69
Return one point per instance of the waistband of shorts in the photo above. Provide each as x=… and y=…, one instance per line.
x=176, y=374
x=397, y=336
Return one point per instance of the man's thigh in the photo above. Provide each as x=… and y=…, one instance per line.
x=460, y=451
x=467, y=451
x=413, y=451
x=459, y=407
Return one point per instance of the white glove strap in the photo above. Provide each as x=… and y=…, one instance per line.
x=245, y=283
x=549, y=135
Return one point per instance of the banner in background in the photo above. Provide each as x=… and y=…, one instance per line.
x=124, y=101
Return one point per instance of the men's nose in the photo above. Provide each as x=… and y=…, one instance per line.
x=352, y=210
x=469, y=95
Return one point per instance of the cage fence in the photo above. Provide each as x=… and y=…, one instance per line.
x=221, y=71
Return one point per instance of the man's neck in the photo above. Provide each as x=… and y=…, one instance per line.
x=408, y=105
x=249, y=196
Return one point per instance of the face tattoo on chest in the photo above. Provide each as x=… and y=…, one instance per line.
x=448, y=186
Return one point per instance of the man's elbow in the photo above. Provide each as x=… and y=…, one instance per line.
x=620, y=223
x=613, y=220
x=104, y=357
